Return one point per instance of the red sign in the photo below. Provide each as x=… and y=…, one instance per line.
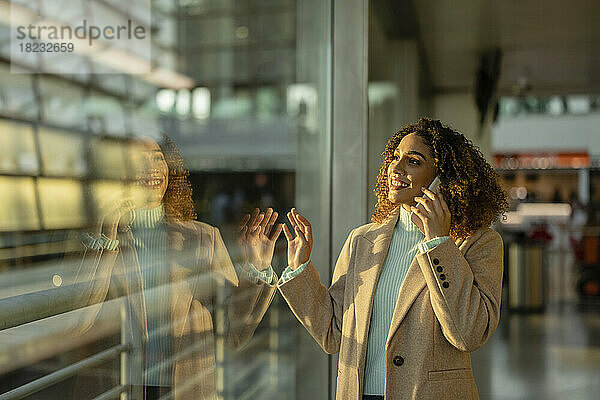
x=542, y=160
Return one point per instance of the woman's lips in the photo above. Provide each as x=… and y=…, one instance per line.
x=151, y=181
x=397, y=184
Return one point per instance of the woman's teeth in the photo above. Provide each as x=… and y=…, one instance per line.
x=398, y=184
x=151, y=181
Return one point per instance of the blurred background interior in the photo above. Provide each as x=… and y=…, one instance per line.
x=289, y=103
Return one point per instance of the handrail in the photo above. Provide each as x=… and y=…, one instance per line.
x=29, y=307
x=64, y=373
x=112, y=393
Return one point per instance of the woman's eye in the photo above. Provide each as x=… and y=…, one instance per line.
x=414, y=161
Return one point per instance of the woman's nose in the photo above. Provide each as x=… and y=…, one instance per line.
x=397, y=168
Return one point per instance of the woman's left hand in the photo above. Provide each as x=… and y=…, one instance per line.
x=434, y=214
x=257, y=237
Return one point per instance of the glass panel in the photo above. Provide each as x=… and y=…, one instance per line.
x=145, y=123
x=62, y=152
x=105, y=194
x=241, y=87
x=108, y=158
x=17, y=98
x=17, y=148
x=167, y=33
x=105, y=114
x=61, y=203
x=18, y=204
x=5, y=41
x=63, y=103
x=141, y=90
x=277, y=27
x=109, y=80
x=166, y=5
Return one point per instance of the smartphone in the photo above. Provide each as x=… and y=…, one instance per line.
x=433, y=186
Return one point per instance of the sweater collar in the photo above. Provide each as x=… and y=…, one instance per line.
x=404, y=221
x=148, y=217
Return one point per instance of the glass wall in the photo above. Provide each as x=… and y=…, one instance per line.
x=108, y=285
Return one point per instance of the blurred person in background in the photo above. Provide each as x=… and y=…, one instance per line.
x=407, y=304
x=175, y=272
x=577, y=220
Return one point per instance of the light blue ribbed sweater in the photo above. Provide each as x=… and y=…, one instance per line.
x=150, y=240
x=403, y=247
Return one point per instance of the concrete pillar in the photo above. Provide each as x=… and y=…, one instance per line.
x=390, y=110
x=313, y=174
x=331, y=166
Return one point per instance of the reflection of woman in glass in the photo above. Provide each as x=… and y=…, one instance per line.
x=406, y=306
x=176, y=274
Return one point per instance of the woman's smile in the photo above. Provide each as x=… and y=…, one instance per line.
x=397, y=184
x=152, y=180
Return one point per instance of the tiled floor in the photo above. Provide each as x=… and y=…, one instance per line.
x=546, y=356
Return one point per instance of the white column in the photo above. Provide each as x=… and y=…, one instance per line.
x=583, y=185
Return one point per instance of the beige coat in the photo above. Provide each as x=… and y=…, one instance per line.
x=202, y=280
x=436, y=323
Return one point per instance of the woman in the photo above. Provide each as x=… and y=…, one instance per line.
x=406, y=307
x=175, y=273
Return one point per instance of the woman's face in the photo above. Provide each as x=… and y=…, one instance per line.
x=411, y=168
x=153, y=174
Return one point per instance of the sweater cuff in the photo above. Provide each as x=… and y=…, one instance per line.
x=432, y=244
x=289, y=273
x=99, y=243
x=255, y=275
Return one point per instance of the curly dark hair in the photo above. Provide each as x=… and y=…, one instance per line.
x=469, y=184
x=177, y=200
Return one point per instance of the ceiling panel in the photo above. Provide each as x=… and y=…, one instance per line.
x=551, y=44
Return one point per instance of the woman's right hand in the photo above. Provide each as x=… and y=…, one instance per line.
x=299, y=247
x=119, y=214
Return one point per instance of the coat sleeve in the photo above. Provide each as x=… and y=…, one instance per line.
x=318, y=308
x=92, y=280
x=246, y=300
x=465, y=290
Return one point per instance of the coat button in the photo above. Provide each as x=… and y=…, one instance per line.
x=439, y=268
x=445, y=284
x=443, y=277
x=436, y=261
x=398, y=361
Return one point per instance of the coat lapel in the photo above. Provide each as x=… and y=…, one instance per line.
x=413, y=284
x=372, y=248
x=182, y=255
